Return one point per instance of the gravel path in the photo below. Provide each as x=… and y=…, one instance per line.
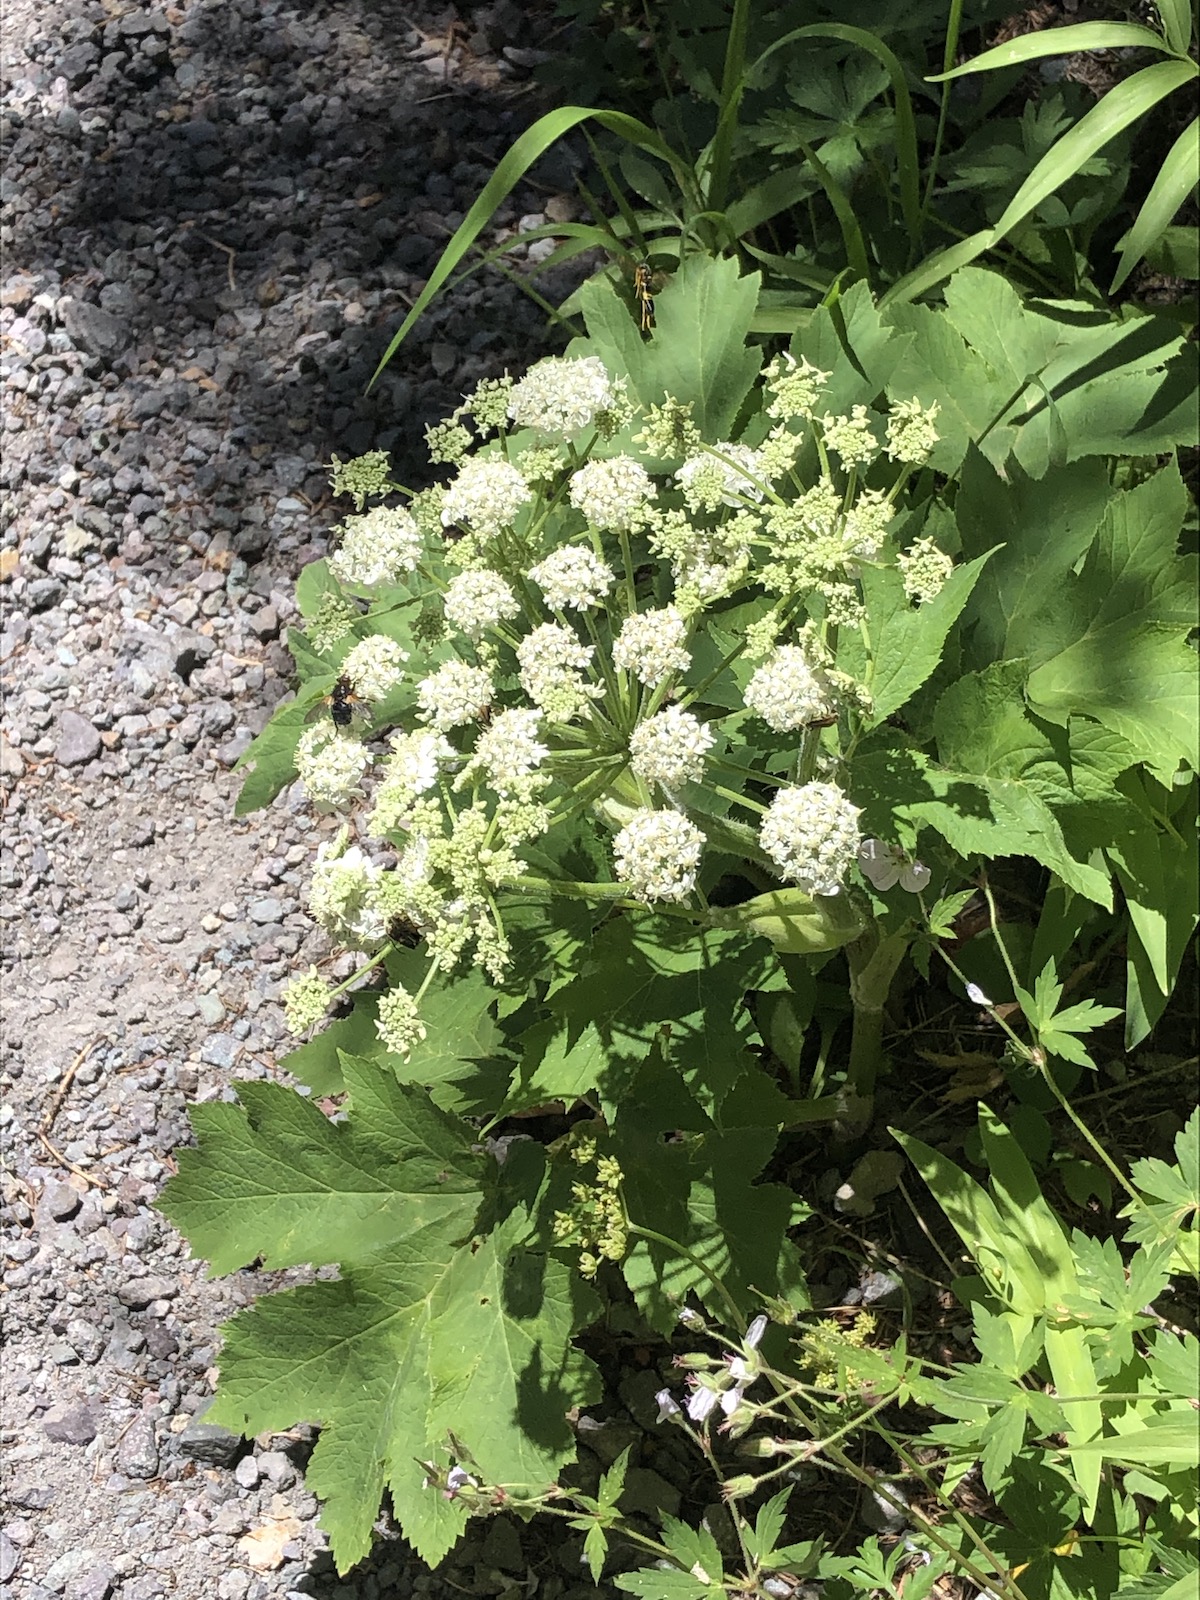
x=215, y=213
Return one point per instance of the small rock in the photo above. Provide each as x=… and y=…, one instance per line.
x=41, y=594
x=880, y=1514
x=78, y=741
x=137, y=1452
x=70, y=1425
x=61, y=1201
x=92, y=329
x=265, y=911
x=209, y=1442
x=10, y=1556
x=246, y=1473
x=137, y=1293
x=222, y=1050
x=98, y=1584
x=190, y=651
x=12, y=763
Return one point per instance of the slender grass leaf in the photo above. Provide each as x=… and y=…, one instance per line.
x=1176, y=19
x=767, y=199
x=937, y=268
x=1176, y=179
x=856, y=250
x=1168, y=1439
x=1057, y=42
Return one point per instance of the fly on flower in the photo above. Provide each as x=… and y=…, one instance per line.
x=643, y=293
x=342, y=700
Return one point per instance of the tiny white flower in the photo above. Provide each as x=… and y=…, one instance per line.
x=486, y=495
x=669, y=748
x=667, y=1405
x=478, y=600
x=884, y=867
x=976, y=995
x=811, y=834
x=651, y=645
x=341, y=895
x=458, y=1478
x=755, y=1332
x=853, y=437
x=411, y=770
x=702, y=1401
x=574, y=577
x=376, y=548
x=561, y=395
x=611, y=492
x=708, y=481
x=658, y=854
x=786, y=691
x=924, y=570
x=374, y=666
x=455, y=694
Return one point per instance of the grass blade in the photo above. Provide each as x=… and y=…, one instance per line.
x=937, y=267
x=1175, y=181
x=1176, y=19
x=1058, y=42
x=856, y=250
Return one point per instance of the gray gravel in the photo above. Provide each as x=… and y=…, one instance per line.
x=215, y=213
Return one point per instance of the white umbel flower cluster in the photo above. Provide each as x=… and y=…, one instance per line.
x=574, y=577
x=911, y=434
x=651, y=645
x=341, y=897
x=305, y=1001
x=669, y=749
x=853, y=437
x=485, y=496
x=786, y=692
x=509, y=752
x=657, y=853
x=561, y=395
x=708, y=482
x=375, y=666
x=398, y=1022
x=551, y=660
x=924, y=570
x=478, y=600
x=377, y=548
x=793, y=386
x=411, y=770
x=330, y=765
x=455, y=694
x=811, y=834
x=611, y=492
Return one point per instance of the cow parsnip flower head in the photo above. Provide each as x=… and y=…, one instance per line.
x=911, y=434
x=334, y=618
x=454, y=695
x=787, y=692
x=573, y=577
x=794, y=387
x=509, y=753
x=448, y=441
x=853, y=437
x=363, y=478
x=669, y=749
x=330, y=765
x=727, y=475
x=551, y=661
x=611, y=492
x=657, y=853
x=651, y=645
x=376, y=548
x=485, y=496
x=478, y=600
x=811, y=834
x=305, y=1001
x=398, y=1021
x=924, y=570
x=866, y=524
x=669, y=431
x=341, y=897
x=562, y=395
x=417, y=761
x=374, y=666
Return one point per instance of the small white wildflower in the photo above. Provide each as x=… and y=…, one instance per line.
x=410, y=771
x=651, y=645
x=509, y=751
x=793, y=386
x=573, y=576
x=911, y=434
x=398, y=1022
x=811, y=834
x=457, y=1479
x=852, y=437
x=667, y=1405
x=611, y=492
x=866, y=525
x=702, y=1401
x=884, y=867
x=376, y=548
x=333, y=621
x=786, y=691
x=924, y=570
x=330, y=765
x=658, y=853
x=755, y=1332
x=374, y=666
x=485, y=496
x=561, y=395
x=478, y=600
x=551, y=660
x=708, y=481
x=669, y=749
x=455, y=694
x=341, y=895
x=976, y=995
x=305, y=1001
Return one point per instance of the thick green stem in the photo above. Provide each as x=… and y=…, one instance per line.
x=873, y=962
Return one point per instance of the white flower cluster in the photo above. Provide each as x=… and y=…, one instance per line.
x=811, y=834
x=669, y=749
x=551, y=661
x=924, y=570
x=651, y=645
x=341, y=896
x=611, y=492
x=477, y=600
x=377, y=548
x=853, y=437
x=374, y=666
x=786, y=691
x=411, y=770
x=485, y=496
x=793, y=386
x=727, y=475
x=911, y=434
x=398, y=1022
x=561, y=395
x=867, y=523
x=454, y=695
x=573, y=577
x=305, y=1001
x=658, y=854
x=330, y=765
x=509, y=752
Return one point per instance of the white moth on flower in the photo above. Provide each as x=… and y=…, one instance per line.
x=478, y=600
x=651, y=645
x=669, y=749
x=911, y=434
x=485, y=496
x=786, y=691
x=611, y=492
x=657, y=853
x=708, y=481
x=811, y=834
x=573, y=577
x=924, y=570
x=561, y=395
x=330, y=765
x=377, y=548
x=884, y=867
x=551, y=660
x=455, y=694
x=374, y=666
